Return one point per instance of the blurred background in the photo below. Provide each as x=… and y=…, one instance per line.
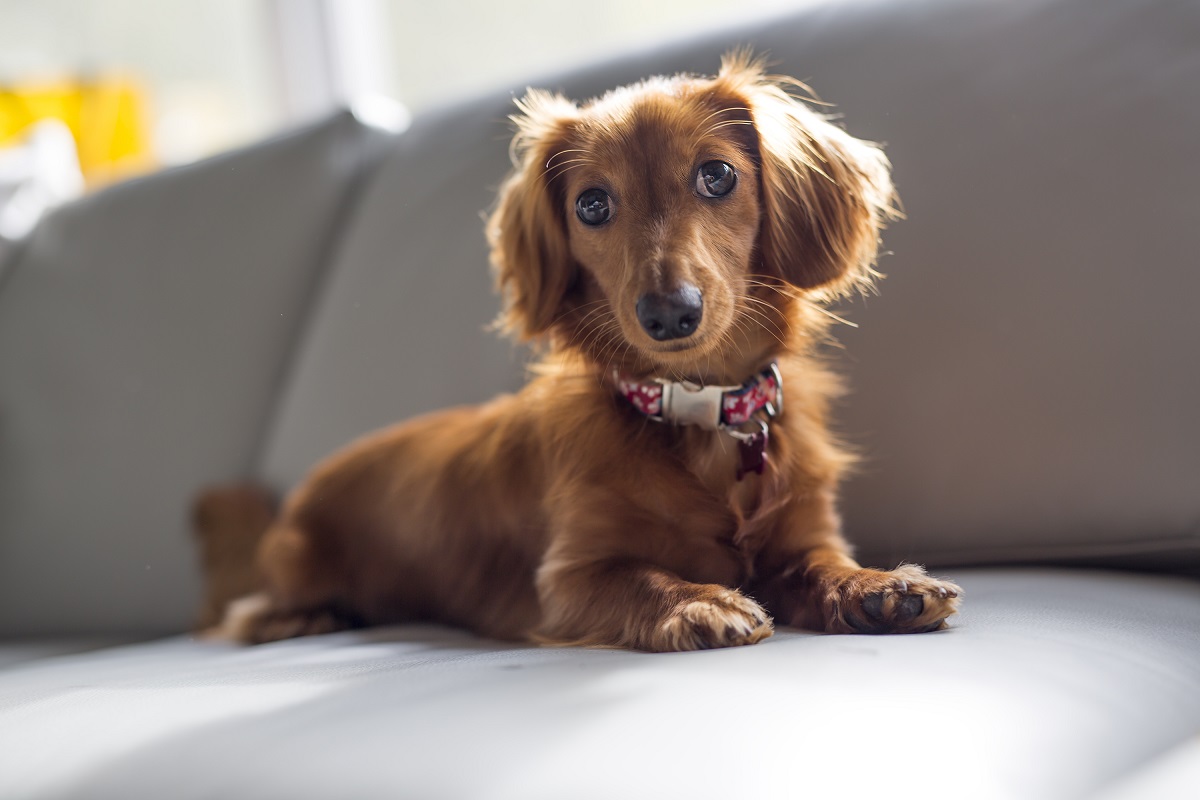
x=93, y=91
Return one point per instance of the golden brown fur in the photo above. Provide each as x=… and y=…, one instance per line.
x=562, y=515
x=229, y=522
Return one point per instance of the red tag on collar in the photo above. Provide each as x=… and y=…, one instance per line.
x=753, y=452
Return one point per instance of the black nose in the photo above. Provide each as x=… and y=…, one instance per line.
x=671, y=316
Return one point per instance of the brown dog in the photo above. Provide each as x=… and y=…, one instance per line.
x=675, y=234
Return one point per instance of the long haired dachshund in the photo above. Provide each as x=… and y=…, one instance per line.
x=671, y=245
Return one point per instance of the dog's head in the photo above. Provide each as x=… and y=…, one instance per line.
x=668, y=215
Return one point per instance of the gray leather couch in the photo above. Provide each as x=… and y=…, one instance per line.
x=1026, y=390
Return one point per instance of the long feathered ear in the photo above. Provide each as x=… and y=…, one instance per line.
x=826, y=195
x=530, y=254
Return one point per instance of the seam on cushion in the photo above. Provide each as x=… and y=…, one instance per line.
x=369, y=149
x=1187, y=546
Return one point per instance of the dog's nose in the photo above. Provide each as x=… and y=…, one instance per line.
x=671, y=316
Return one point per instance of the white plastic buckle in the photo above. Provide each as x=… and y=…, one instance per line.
x=692, y=404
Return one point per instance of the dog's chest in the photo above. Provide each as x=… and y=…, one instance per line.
x=714, y=458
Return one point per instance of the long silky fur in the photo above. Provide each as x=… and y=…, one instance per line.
x=561, y=515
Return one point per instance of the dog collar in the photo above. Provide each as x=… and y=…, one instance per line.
x=723, y=408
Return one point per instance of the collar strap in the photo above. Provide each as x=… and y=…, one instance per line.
x=710, y=407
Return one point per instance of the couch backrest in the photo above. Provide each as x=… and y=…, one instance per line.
x=1024, y=386
x=401, y=326
x=144, y=335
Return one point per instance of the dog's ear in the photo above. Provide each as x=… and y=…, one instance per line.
x=527, y=231
x=826, y=195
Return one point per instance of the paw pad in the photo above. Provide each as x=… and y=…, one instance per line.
x=905, y=600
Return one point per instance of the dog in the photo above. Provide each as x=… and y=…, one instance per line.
x=670, y=247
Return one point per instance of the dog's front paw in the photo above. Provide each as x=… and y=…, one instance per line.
x=905, y=600
x=720, y=618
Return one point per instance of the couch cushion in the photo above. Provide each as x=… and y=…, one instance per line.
x=143, y=334
x=401, y=326
x=1173, y=774
x=1022, y=387
x=1052, y=684
x=22, y=651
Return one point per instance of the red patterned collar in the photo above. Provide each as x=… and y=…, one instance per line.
x=710, y=407
x=724, y=408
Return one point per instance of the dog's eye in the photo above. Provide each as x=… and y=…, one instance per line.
x=715, y=179
x=592, y=207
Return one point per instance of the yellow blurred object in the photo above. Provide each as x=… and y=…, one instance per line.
x=106, y=115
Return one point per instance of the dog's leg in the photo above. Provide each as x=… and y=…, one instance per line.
x=302, y=586
x=626, y=603
x=273, y=624
x=819, y=586
x=839, y=596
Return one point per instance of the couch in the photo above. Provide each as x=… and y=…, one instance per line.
x=1024, y=392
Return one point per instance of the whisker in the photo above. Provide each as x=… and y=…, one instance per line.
x=768, y=324
x=726, y=122
x=575, y=309
x=598, y=333
x=831, y=315
x=796, y=295
x=550, y=165
x=607, y=337
x=712, y=114
x=724, y=110
x=550, y=160
x=582, y=334
x=559, y=170
x=742, y=325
